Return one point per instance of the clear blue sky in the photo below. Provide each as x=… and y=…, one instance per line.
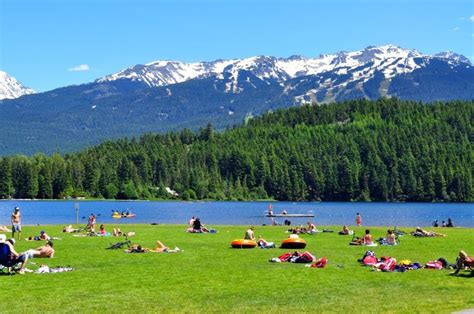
x=42, y=40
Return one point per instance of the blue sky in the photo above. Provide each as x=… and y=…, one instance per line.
x=52, y=43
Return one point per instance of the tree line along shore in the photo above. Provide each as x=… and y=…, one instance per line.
x=385, y=150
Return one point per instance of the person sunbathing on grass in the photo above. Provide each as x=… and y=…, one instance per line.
x=4, y=229
x=160, y=248
x=423, y=233
x=463, y=261
x=43, y=236
x=344, y=231
x=264, y=244
x=69, y=229
x=45, y=251
x=117, y=232
x=136, y=248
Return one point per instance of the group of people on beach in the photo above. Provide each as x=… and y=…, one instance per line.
x=448, y=224
x=195, y=225
x=8, y=254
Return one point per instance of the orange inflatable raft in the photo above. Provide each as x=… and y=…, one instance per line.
x=243, y=244
x=293, y=243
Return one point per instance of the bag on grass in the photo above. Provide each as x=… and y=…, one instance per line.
x=285, y=257
x=387, y=264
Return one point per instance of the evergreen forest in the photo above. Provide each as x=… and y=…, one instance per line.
x=359, y=150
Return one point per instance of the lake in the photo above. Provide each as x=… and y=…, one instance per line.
x=240, y=213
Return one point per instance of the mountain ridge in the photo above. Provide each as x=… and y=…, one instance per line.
x=172, y=95
x=160, y=73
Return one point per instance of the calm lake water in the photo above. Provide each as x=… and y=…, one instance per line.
x=240, y=213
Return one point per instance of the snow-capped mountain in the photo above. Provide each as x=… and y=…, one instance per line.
x=349, y=67
x=170, y=95
x=10, y=88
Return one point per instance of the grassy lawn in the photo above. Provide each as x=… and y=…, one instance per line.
x=209, y=276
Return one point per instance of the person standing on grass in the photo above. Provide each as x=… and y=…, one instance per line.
x=16, y=223
x=358, y=220
x=91, y=223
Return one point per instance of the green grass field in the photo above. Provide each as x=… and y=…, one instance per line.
x=209, y=276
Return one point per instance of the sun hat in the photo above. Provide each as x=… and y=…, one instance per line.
x=17, y=208
x=3, y=238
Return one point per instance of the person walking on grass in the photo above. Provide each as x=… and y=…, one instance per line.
x=16, y=223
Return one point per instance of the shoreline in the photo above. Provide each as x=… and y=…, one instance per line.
x=319, y=227
x=227, y=201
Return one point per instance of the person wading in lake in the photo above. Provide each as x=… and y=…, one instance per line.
x=16, y=223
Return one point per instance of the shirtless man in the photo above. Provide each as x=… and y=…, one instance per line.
x=45, y=251
x=16, y=223
x=249, y=235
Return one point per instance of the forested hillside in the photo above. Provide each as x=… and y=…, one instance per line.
x=385, y=150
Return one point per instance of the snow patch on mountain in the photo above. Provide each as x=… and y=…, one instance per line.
x=10, y=88
x=352, y=67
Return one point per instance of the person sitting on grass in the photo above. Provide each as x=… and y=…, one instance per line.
x=311, y=228
x=44, y=251
x=249, y=234
x=463, y=261
x=197, y=226
x=294, y=234
x=390, y=238
x=9, y=257
x=450, y=223
x=191, y=221
x=365, y=240
x=344, y=231
x=102, y=231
